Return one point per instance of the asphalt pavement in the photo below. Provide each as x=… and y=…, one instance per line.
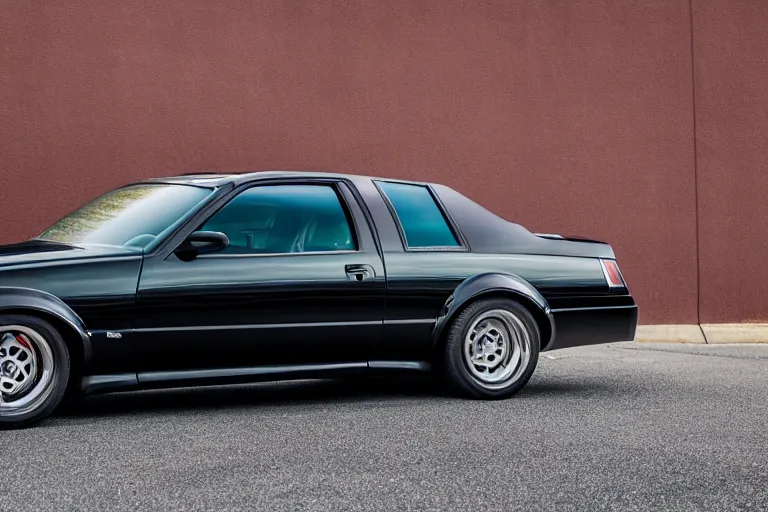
x=618, y=427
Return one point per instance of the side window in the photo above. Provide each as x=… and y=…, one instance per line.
x=276, y=219
x=420, y=217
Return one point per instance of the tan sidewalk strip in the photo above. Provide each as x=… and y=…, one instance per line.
x=712, y=333
x=670, y=333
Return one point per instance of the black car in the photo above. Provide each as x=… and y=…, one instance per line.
x=210, y=279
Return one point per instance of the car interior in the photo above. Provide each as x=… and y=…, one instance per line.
x=273, y=229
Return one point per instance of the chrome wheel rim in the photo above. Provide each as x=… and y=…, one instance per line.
x=26, y=369
x=497, y=348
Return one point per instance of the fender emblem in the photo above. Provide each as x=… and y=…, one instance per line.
x=115, y=335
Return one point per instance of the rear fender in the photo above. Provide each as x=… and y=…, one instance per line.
x=497, y=284
x=36, y=301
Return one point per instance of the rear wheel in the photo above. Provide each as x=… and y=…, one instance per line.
x=34, y=370
x=492, y=349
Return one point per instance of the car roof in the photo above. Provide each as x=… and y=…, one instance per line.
x=218, y=179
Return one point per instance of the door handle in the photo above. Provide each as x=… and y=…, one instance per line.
x=359, y=272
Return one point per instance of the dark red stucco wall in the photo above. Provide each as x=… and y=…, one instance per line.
x=567, y=116
x=731, y=56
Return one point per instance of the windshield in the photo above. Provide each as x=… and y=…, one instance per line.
x=131, y=216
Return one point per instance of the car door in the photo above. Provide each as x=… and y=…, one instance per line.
x=426, y=257
x=300, y=284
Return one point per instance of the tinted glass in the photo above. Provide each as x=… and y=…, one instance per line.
x=276, y=219
x=423, y=223
x=131, y=216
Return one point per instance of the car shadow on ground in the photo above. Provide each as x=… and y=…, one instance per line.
x=307, y=392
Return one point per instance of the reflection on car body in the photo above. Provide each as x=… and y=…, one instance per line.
x=208, y=279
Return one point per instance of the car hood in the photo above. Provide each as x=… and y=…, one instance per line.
x=44, y=251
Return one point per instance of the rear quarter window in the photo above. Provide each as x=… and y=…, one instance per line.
x=421, y=220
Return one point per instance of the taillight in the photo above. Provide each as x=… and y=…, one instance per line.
x=612, y=274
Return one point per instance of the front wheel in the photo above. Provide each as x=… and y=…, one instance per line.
x=492, y=349
x=34, y=370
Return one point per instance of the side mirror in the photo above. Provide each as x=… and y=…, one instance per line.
x=201, y=242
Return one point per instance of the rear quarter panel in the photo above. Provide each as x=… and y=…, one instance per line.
x=420, y=283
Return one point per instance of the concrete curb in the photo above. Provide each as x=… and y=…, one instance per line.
x=670, y=333
x=704, y=333
x=735, y=333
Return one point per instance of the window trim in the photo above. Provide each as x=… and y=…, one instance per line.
x=452, y=224
x=457, y=234
x=332, y=184
x=272, y=254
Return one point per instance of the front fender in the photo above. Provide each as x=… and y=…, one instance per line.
x=481, y=285
x=12, y=298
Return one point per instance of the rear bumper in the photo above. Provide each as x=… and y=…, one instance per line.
x=576, y=327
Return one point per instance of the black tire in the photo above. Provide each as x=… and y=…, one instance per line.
x=41, y=407
x=456, y=367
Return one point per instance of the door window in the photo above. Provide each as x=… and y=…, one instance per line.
x=278, y=219
x=423, y=224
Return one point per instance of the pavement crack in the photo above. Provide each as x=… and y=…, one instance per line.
x=724, y=356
